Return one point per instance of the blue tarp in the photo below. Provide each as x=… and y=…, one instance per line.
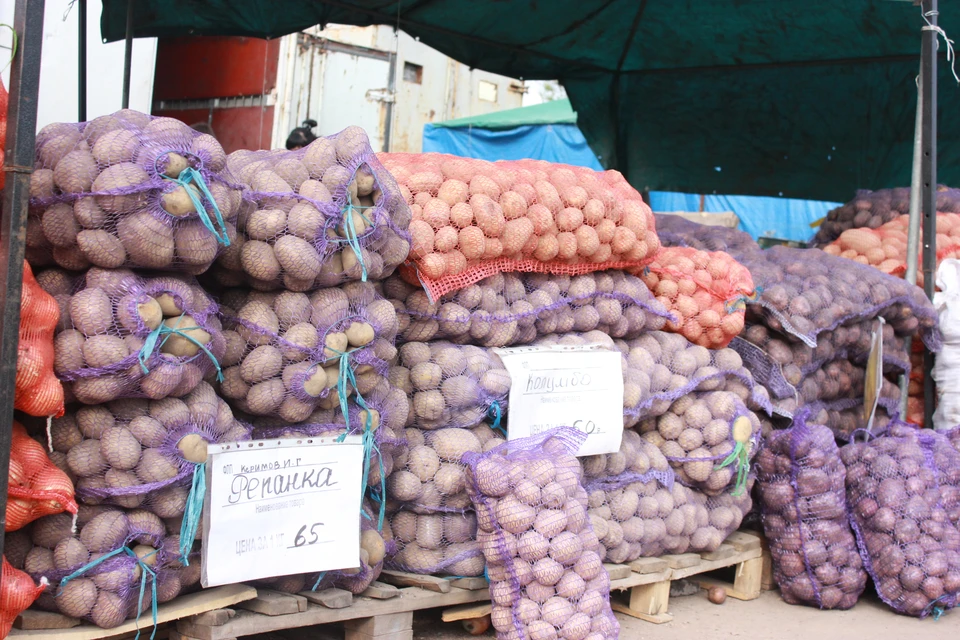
x=784, y=218
x=551, y=142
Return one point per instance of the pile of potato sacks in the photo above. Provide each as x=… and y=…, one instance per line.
x=292, y=303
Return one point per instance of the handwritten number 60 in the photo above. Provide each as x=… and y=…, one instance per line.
x=589, y=426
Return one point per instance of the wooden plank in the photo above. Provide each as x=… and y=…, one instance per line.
x=710, y=565
x=635, y=579
x=380, y=591
x=648, y=565
x=382, y=624
x=404, y=579
x=744, y=541
x=617, y=571
x=329, y=598
x=767, y=581
x=275, y=603
x=723, y=552
x=469, y=583
x=650, y=599
x=682, y=560
x=182, y=607
x=31, y=619
x=173, y=634
x=411, y=599
x=466, y=612
x=214, y=618
x=748, y=578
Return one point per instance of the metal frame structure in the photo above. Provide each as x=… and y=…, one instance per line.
x=18, y=165
x=928, y=179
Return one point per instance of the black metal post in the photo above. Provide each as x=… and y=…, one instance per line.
x=928, y=182
x=18, y=165
x=82, y=61
x=128, y=56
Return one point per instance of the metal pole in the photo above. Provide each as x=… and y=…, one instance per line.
x=127, y=56
x=913, y=232
x=82, y=61
x=928, y=91
x=18, y=165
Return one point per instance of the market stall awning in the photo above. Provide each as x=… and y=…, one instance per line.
x=805, y=99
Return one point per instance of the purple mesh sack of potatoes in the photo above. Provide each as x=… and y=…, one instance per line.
x=709, y=439
x=374, y=545
x=805, y=292
x=942, y=447
x=516, y=308
x=906, y=540
x=137, y=453
x=872, y=209
x=436, y=543
x=316, y=217
x=428, y=475
x=132, y=190
x=677, y=231
x=547, y=578
x=95, y=574
x=803, y=499
x=844, y=417
x=126, y=336
x=289, y=354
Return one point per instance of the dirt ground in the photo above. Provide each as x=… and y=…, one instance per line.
x=768, y=618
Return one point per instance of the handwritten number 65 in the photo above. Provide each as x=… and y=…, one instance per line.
x=300, y=540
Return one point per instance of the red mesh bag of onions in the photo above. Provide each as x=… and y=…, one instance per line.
x=17, y=592
x=36, y=487
x=473, y=218
x=706, y=291
x=543, y=557
x=38, y=392
x=801, y=480
x=907, y=542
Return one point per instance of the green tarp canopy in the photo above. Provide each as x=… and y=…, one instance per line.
x=803, y=98
x=553, y=112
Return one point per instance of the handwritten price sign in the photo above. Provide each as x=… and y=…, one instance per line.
x=260, y=515
x=566, y=386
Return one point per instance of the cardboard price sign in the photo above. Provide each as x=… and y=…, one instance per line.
x=276, y=508
x=566, y=386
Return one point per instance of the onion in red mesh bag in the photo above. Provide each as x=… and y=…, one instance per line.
x=428, y=475
x=543, y=557
x=129, y=189
x=124, y=336
x=35, y=486
x=38, y=392
x=907, y=542
x=17, y=592
x=291, y=353
x=801, y=488
x=709, y=439
x=316, y=217
x=473, y=218
x=705, y=290
x=515, y=308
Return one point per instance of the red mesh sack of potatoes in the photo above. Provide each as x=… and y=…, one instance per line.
x=473, y=218
x=705, y=290
x=36, y=486
x=4, y=99
x=886, y=247
x=38, y=391
x=17, y=590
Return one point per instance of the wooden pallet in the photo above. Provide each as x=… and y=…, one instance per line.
x=382, y=612
x=42, y=625
x=648, y=579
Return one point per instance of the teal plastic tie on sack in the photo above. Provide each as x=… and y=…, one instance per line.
x=144, y=571
x=350, y=230
x=495, y=413
x=191, y=176
x=193, y=512
x=150, y=344
x=316, y=585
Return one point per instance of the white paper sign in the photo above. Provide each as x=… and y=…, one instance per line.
x=566, y=386
x=276, y=508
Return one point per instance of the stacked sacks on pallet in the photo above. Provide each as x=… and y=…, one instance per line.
x=317, y=217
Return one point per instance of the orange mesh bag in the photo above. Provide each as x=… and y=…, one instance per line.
x=38, y=391
x=17, y=592
x=886, y=247
x=915, y=412
x=705, y=290
x=473, y=219
x=36, y=486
